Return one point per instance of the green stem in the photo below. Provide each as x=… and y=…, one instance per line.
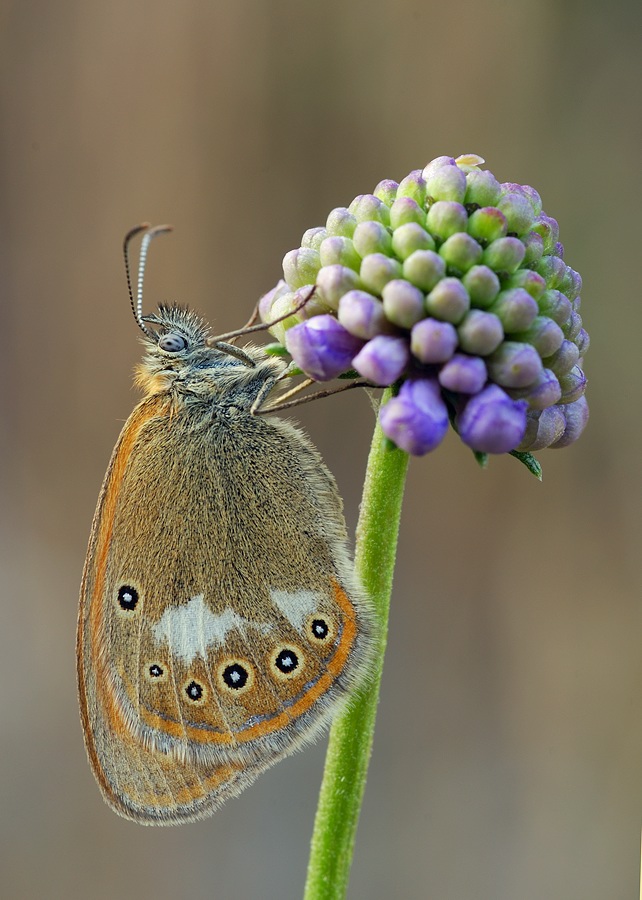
x=351, y=735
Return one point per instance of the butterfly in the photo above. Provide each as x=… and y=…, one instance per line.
x=221, y=623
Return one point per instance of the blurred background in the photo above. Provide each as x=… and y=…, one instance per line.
x=508, y=753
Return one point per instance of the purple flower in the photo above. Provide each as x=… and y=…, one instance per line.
x=576, y=415
x=383, y=359
x=463, y=374
x=491, y=422
x=362, y=314
x=417, y=418
x=452, y=282
x=322, y=347
x=432, y=341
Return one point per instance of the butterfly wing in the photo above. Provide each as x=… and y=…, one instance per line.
x=220, y=620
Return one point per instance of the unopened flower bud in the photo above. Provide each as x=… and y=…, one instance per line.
x=403, y=303
x=417, y=419
x=413, y=186
x=504, y=255
x=480, y=332
x=514, y=365
x=383, y=359
x=576, y=415
x=368, y=208
x=447, y=183
x=487, y=224
x=445, y=217
x=491, y=422
x=448, y=300
x=410, y=237
x=334, y=281
x=371, y=237
x=301, y=267
x=377, y=270
x=460, y=252
x=322, y=347
x=482, y=285
x=341, y=223
x=424, y=269
x=515, y=308
x=362, y=315
x=433, y=341
x=386, y=191
x=463, y=374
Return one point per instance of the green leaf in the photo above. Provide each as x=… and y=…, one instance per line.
x=482, y=458
x=275, y=349
x=528, y=460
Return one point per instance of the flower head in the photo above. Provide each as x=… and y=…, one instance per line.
x=451, y=287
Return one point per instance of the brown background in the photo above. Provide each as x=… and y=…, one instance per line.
x=508, y=755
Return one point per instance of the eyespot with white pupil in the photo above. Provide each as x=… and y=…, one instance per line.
x=154, y=671
x=195, y=692
x=287, y=661
x=321, y=628
x=127, y=598
x=236, y=676
x=172, y=342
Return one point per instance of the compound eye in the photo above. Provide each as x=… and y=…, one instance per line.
x=172, y=342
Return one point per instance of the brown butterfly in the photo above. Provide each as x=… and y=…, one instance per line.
x=221, y=624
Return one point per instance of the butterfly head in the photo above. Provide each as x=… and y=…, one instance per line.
x=181, y=357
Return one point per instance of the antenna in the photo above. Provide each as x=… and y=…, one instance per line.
x=150, y=234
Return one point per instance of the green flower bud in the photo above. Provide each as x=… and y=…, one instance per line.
x=281, y=306
x=372, y=237
x=573, y=327
x=334, y=281
x=405, y=210
x=314, y=237
x=301, y=266
x=424, y=268
x=368, y=208
x=544, y=334
x=386, y=191
x=461, y=252
x=445, y=217
x=529, y=280
x=514, y=365
x=555, y=305
x=438, y=163
x=448, y=300
x=482, y=285
x=518, y=211
x=487, y=224
x=341, y=223
x=504, y=255
x=339, y=251
x=549, y=230
x=377, y=270
x=534, y=245
x=482, y=189
x=403, y=303
x=480, y=332
x=533, y=196
x=447, y=183
x=413, y=186
x=553, y=269
x=515, y=308
x=410, y=237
